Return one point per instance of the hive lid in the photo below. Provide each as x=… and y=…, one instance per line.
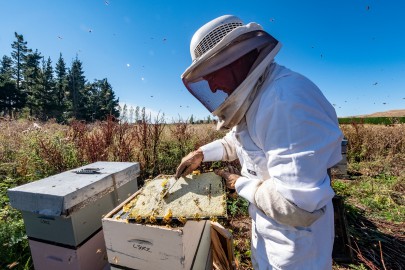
x=192, y=197
x=61, y=193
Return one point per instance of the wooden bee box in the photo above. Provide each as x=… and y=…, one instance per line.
x=180, y=238
x=90, y=255
x=67, y=208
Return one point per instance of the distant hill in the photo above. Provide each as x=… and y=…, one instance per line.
x=392, y=113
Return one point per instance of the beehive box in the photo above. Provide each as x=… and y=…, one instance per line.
x=340, y=169
x=90, y=255
x=132, y=240
x=67, y=208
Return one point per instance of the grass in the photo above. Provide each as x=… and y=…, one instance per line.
x=373, y=191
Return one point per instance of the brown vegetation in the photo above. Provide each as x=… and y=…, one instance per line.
x=376, y=155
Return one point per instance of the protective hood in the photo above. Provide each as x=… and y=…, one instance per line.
x=232, y=46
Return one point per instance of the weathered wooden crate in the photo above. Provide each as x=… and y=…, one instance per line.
x=90, y=255
x=133, y=242
x=68, y=207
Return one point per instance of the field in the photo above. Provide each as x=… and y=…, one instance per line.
x=373, y=190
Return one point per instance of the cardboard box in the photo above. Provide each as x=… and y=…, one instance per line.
x=68, y=207
x=148, y=247
x=90, y=255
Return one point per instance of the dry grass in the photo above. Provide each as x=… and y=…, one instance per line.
x=376, y=155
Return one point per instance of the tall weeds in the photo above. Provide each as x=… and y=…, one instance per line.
x=30, y=151
x=382, y=147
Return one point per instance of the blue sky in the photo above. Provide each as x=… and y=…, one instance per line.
x=354, y=50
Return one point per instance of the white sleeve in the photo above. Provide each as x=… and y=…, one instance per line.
x=222, y=149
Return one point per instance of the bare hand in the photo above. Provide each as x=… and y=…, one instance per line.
x=189, y=163
x=230, y=174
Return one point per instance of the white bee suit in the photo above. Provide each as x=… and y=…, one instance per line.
x=287, y=140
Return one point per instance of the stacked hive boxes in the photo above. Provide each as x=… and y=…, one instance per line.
x=158, y=230
x=62, y=213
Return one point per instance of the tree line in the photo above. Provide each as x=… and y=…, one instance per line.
x=31, y=87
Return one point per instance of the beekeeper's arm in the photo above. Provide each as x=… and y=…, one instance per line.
x=222, y=149
x=298, y=132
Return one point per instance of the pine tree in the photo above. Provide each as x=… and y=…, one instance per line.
x=8, y=93
x=61, y=89
x=6, y=67
x=19, y=58
x=48, y=107
x=19, y=55
x=77, y=90
x=31, y=83
x=8, y=90
x=109, y=102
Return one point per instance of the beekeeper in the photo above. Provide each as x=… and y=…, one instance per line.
x=284, y=133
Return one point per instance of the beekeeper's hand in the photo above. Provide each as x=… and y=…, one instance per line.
x=231, y=175
x=189, y=163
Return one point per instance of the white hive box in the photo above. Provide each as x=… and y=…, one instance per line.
x=133, y=242
x=340, y=169
x=148, y=247
x=67, y=208
x=90, y=255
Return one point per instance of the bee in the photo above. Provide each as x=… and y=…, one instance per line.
x=164, y=182
x=197, y=216
x=126, y=207
x=182, y=220
x=152, y=219
x=168, y=217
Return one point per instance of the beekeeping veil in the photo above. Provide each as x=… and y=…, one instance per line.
x=217, y=44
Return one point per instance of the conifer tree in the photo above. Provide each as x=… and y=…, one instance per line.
x=48, y=108
x=61, y=89
x=76, y=89
x=31, y=83
x=109, y=105
x=9, y=97
x=19, y=58
x=19, y=54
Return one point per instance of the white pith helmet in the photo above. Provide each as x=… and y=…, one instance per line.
x=215, y=45
x=211, y=33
